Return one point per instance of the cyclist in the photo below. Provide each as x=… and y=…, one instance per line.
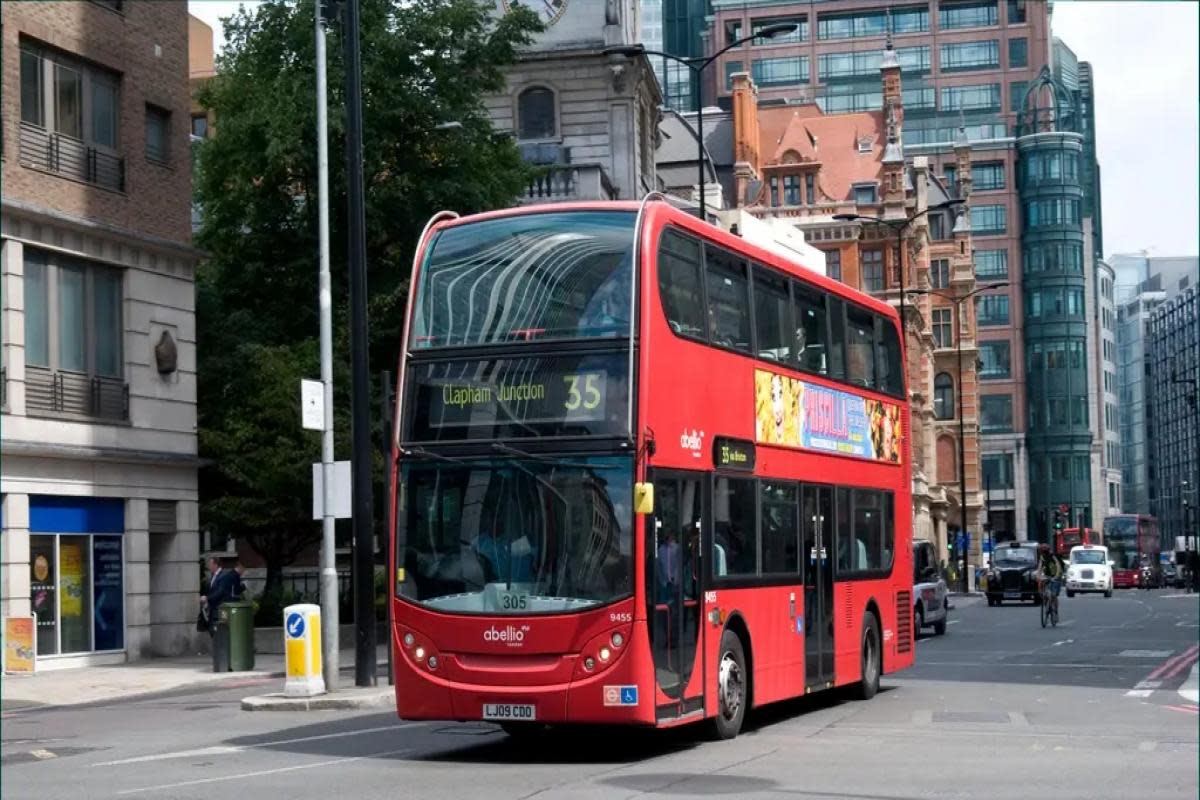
x=1050, y=571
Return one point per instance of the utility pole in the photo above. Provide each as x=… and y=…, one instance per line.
x=329, y=578
x=363, y=516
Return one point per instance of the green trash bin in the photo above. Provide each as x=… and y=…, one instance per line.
x=238, y=618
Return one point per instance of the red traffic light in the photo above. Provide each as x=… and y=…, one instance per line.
x=1064, y=508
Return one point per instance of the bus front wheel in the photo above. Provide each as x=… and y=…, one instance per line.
x=871, y=660
x=732, y=685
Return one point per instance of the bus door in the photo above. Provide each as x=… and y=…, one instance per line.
x=816, y=520
x=674, y=593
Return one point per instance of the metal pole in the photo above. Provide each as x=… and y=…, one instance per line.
x=386, y=412
x=700, y=145
x=329, y=580
x=364, y=550
x=962, y=448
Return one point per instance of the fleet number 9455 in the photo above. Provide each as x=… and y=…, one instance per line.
x=621, y=616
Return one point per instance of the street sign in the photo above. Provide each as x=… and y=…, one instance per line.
x=312, y=405
x=342, y=490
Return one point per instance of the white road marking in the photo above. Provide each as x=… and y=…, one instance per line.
x=42, y=754
x=1147, y=747
x=1148, y=685
x=262, y=772
x=954, y=622
x=1139, y=693
x=1064, y=641
x=223, y=750
x=1191, y=687
x=1145, y=653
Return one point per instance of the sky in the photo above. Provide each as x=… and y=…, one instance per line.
x=1146, y=63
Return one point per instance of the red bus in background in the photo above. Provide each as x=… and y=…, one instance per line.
x=647, y=473
x=1064, y=540
x=1133, y=544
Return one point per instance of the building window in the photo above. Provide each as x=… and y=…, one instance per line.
x=72, y=315
x=1052, y=211
x=800, y=34
x=536, y=115
x=839, y=99
x=919, y=99
x=989, y=175
x=1054, y=257
x=995, y=413
x=158, y=124
x=774, y=190
x=972, y=14
x=950, y=171
x=1016, y=12
x=939, y=271
x=731, y=69
x=964, y=56
x=991, y=309
x=937, y=227
x=943, y=396
x=833, y=264
x=852, y=64
x=991, y=264
x=943, y=329
x=199, y=126
x=865, y=195
x=988, y=220
x=780, y=71
x=1018, y=53
x=791, y=190
x=73, y=110
x=872, y=270
x=1016, y=95
x=863, y=24
x=980, y=97
x=994, y=360
x=998, y=471
x=733, y=29
x=810, y=192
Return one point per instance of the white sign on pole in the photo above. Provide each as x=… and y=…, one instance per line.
x=341, y=490
x=312, y=405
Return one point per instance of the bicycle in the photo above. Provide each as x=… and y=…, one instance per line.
x=1049, y=604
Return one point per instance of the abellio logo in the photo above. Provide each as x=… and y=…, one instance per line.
x=693, y=441
x=510, y=635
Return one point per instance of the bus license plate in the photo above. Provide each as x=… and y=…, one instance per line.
x=504, y=712
x=1012, y=595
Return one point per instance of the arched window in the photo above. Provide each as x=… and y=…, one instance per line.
x=536, y=117
x=947, y=458
x=943, y=396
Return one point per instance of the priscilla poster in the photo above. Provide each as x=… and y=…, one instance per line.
x=796, y=413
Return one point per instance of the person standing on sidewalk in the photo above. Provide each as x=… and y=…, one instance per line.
x=223, y=586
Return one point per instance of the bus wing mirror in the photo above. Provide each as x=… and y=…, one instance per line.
x=643, y=498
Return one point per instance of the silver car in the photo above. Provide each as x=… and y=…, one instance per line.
x=931, y=598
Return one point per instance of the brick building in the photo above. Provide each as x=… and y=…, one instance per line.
x=100, y=534
x=794, y=162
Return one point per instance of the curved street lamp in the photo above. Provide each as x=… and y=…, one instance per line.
x=962, y=467
x=697, y=66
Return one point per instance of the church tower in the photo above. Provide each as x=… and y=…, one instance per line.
x=588, y=117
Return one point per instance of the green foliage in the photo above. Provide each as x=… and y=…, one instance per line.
x=425, y=62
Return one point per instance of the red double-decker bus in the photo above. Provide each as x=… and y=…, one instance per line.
x=1133, y=543
x=647, y=473
x=1065, y=539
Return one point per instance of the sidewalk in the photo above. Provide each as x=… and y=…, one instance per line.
x=70, y=687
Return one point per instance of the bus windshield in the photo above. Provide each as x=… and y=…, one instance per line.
x=558, y=275
x=516, y=536
x=1121, y=537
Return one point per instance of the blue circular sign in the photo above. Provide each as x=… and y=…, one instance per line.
x=294, y=625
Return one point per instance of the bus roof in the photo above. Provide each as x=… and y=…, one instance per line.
x=669, y=213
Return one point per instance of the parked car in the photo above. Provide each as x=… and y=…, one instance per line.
x=931, y=597
x=1170, y=575
x=1013, y=575
x=1089, y=570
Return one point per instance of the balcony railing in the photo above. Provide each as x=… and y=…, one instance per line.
x=75, y=393
x=53, y=152
x=559, y=183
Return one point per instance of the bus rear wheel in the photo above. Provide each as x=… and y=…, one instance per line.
x=871, y=656
x=732, y=685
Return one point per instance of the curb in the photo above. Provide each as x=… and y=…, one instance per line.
x=375, y=697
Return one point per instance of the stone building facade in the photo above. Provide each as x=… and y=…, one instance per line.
x=98, y=451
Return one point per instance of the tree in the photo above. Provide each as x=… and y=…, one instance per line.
x=424, y=62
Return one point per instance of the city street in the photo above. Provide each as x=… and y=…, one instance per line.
x=1103, y=706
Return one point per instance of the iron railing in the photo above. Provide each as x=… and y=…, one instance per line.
x=54, y=152
x=60, y=392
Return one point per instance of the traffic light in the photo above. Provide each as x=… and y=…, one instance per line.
x=1059, y=518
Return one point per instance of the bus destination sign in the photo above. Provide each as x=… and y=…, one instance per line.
x=733, y=454
x=519, y=397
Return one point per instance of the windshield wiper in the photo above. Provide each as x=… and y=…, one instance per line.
x=420, y=452
x=509, y=450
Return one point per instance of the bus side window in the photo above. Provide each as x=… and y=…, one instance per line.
x=772, y=319
x=887, y=352
x=679, y=283
x=728, y=299
x=860, y=348
x=837, y=337
x=812, y=333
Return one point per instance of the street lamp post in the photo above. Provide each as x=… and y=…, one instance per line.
x=697, y=66
x=962, y=450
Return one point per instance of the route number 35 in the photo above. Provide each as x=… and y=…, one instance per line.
x=588, y=397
